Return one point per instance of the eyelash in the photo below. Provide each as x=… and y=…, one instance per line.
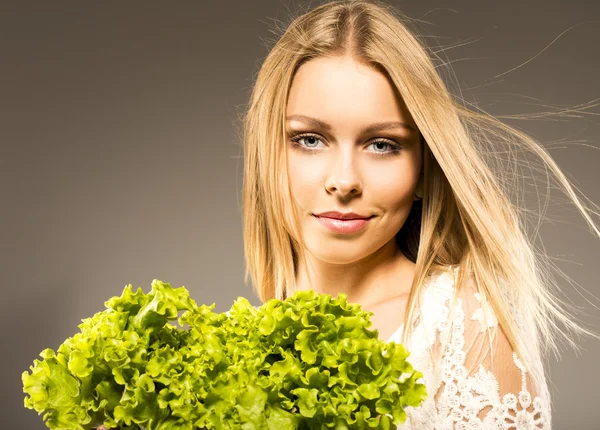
x=396, y=148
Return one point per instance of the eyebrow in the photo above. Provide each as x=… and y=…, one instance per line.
x=372, y=128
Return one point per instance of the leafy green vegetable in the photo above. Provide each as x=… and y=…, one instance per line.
x=308, y=362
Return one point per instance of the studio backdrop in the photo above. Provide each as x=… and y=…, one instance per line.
x=121, y=158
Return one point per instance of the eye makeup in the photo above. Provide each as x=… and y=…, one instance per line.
x=394, y=147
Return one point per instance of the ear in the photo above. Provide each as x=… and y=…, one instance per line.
x=421, y=182
x=420, y=185
x=419, y=189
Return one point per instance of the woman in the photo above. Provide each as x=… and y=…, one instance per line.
x=349, y=119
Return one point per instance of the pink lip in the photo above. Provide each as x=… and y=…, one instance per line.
x=342, y=215
x=343, y=226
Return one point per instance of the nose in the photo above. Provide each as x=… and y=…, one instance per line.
x=344, y=178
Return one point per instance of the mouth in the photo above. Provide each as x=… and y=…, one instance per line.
x=342, y=219
x=343, y=226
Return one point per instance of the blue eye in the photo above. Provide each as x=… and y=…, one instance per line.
x=299, y=137
x=393, y=146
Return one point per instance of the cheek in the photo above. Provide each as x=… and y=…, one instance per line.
x=304, y=176
x=393, y=188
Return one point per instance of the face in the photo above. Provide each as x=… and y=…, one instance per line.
x=338, y=164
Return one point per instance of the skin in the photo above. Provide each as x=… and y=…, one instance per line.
x=341, y=169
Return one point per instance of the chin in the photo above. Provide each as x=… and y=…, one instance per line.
x=337, y=253
x=340, y=260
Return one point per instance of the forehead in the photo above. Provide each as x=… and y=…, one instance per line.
x=345, y=91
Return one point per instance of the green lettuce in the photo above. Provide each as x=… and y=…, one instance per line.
x=307, y=362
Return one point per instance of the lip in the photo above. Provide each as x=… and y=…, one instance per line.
x=343, y=226
x=342, y=215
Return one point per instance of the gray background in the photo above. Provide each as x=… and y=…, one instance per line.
x=120, y=161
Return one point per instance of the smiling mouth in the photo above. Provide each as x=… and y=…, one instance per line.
x=342, y=219
x=343, y=226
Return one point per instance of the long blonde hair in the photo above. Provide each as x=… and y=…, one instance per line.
x=467, y=217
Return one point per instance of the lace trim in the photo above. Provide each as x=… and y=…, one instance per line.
x=485, y=315
x=464, y=397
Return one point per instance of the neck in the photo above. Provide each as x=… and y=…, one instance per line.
x=382, y=275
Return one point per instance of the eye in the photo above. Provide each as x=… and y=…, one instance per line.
x=394, y=147
x=313, y=139
x=296, y=139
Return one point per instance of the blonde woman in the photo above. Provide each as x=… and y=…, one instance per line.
x=364, y=177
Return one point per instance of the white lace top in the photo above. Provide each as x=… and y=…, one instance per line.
x=496, y=394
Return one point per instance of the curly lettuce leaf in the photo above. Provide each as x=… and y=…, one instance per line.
x=309, y=361
x=98, y=376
